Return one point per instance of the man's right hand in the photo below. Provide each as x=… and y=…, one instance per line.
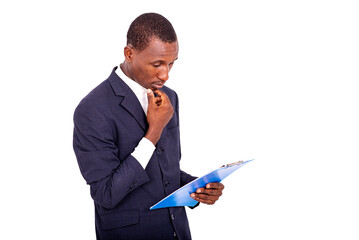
x=159, y=113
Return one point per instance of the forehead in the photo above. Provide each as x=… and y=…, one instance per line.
x=158, y=50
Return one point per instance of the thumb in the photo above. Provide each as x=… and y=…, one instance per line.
x=150, y=96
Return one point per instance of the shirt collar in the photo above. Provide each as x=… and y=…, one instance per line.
x=137, y=89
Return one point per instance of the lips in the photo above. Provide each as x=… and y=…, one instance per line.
x=158, y=85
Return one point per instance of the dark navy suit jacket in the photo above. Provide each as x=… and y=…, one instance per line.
x=108, y=125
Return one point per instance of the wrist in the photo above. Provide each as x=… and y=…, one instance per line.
x=153, y=135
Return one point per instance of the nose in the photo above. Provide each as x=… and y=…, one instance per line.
x=164, y=73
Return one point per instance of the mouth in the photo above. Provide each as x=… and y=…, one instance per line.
x=157, y=85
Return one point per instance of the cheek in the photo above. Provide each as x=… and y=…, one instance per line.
x=146, y=76
x=149, y=74
x=141, y=73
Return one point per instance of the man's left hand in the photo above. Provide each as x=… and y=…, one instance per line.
x=210, y=194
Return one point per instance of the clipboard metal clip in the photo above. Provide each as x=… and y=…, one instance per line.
x=232, y=164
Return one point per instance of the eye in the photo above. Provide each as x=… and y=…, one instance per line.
x=156, y=65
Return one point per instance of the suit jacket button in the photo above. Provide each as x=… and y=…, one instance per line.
x=166, y=183
x=159, y=150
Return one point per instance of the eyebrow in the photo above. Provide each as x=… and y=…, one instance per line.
x=161, y=61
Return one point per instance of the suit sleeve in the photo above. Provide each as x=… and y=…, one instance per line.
x=186, y=178
x=110, y=178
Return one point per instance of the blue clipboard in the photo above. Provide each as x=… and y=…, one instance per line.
x=181, y=197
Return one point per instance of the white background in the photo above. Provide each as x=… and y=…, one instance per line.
x=270, y=80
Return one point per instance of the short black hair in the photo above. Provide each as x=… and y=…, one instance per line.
x=148, y=26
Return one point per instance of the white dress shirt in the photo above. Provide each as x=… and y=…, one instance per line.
x=145, y=147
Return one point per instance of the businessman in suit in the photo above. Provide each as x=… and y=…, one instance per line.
x=127, y=144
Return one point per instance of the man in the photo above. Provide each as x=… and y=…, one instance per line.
x=126, y=140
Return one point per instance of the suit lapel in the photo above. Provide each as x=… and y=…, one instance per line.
x=133, y=106
x=129, y=101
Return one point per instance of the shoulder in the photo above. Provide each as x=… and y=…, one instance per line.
x=95, y=101
x=98, y=93
x=105, y=92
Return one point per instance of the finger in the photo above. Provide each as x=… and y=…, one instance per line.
x=150, y=96
x=158, y=97
x=210, y=192
x=200, y=190
x=158, y=101
x=161, y=94
x=215, y=185
x=204, y=198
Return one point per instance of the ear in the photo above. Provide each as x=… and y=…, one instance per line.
x=128, y=52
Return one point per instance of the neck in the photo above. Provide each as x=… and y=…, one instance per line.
x=125, y=69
